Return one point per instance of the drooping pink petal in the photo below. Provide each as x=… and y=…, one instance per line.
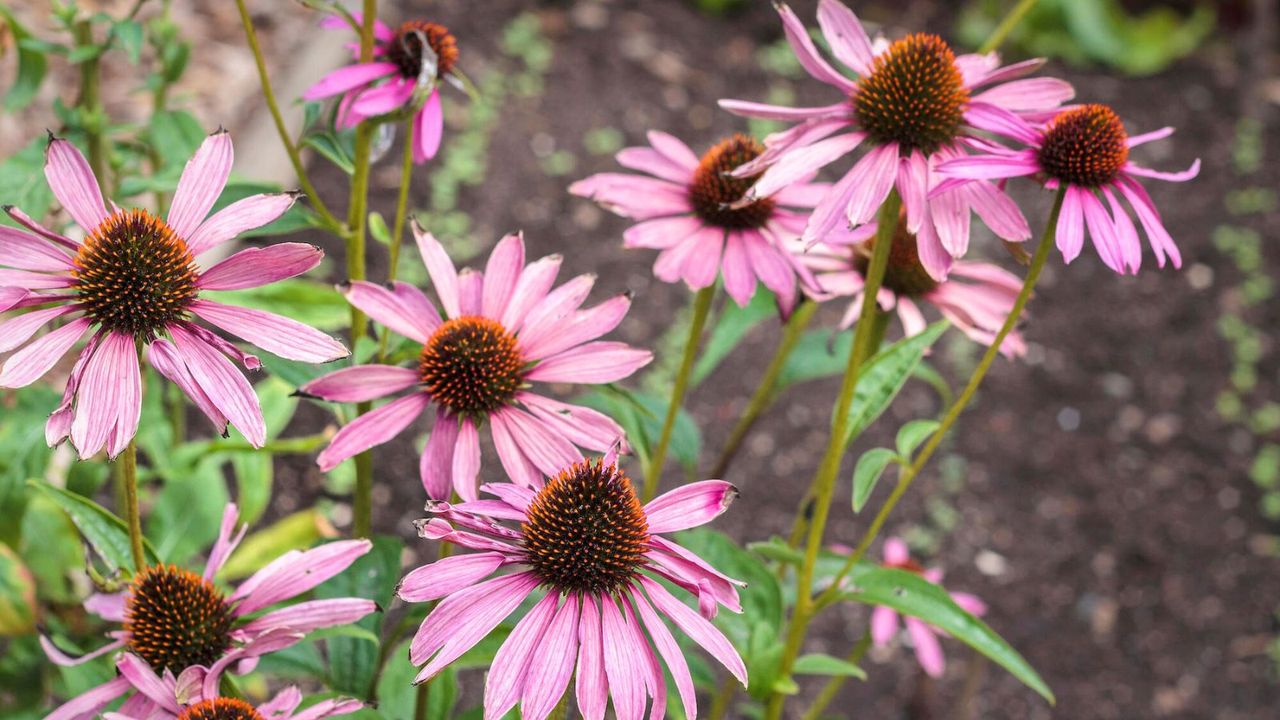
x=1103, y=232
x=226, y=542
x=329, y=708
x=514, y=662
x=928, y=649
x=435, y=467
x=671, y=654
x=807, y=54
x=240, y=216
x=393, y=310
x=428, y=129
x=1070, y=229
x=1127, y=234
x=361, y=383
x=875, y=173
x=348, y=78
x=981, y=70
x=697, y=628
x=294, y=573
x=689, y=505
x=621, y=663
x=647, y=663
x=444, y=276
x=1157, y=235
x=144, y=680
x=803, y=162
x=129, y=402
x=27, y=252
x=592, y=688
x=73, y=183
x=89, y=703
x=548, y=678
x=519, y=468
x=702, y=266
x=305, y=617
x=61, y=659
x=446, y=576
x=1144, y=138
x=373, y=428
x=201, y=183
x=29, y=223
x=884, y=625
x=661, y=233
x=739, y=280
x=100, y=398
x=464, y=619
x=225, y=387
x=17, y=330
x=934, y=258
x=592, y=363
x=466, y=460
x=501, y=274
x=771, y=265
x=1181, y=176
x=785, y=113
x=383, y=99
x=541, y=444
x=276, y=334
x=164, y=357
x=998, y=211
x=257, y=266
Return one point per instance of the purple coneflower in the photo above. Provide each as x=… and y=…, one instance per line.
x=1087, y=149
x=588, y=541
x=976, y=297
x=912, y=102
x=501, y=330
x=884, y=621
x=133, y=281
x=693, y=211
x=401, y=65
x=172, y=619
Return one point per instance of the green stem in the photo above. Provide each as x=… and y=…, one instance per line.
x=910, y=473
x=767, y=390
x=295, y=159
x=829, y=691
x=823, y=486
x=723, y=698
x=420, y=702
x=397, y=229
x=701, y=309
x=1006, y=26
x=127, y=464
x=90, y=101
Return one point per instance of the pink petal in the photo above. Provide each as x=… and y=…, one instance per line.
x=1182, y=176
x=225, y=544
x=348, y=78
x=532, y=287
x=466, y=460
x=703, y=263
x=846, y=36
x=673, y=149
x=513, y=664
x=361, y=383
x=971, y=604
x=435, y=467
x=592, y=689
x=17, y=330
x=61, y=659
x=305, y=617
x=278, y=335
x=551, y=311
x=501, y=275
x=739, y=280
x=464, y=619
x=765, y=111
x=399, y=311
x=928, y=649
x=27, y=252
x=689, y=506
x=1127, y=234
x=470, y=289
x=661, y=233
x=1028, y=95
x=447, y=576
x=106, y=393
x=671, y=653
x=771, y=265
x=697, y=628
x=1070, y=230
x=648, y=160
x=997, y=210
x=634, y=196
x=583, y=326
x=547, y=680
x=145, y=681
x=1157, y=235
x=373, y=428
x=549, y=451
x=582, y=426
x=255, y=267
x=428, y=129
x=29, y=223
x=87, y=704
x=240, y=216
x=226, y=388
x=201, y=183
x=884, y=625
x=164, y=357
x=803, y=162
x=294, y=573
x=621, y=663
x=108, y=606
x=807, y=54
x=129, y=403
x=592, y=363
x=443, y=274
x=1103, y=232
x=384, y=98
x=519, y=468
x=1144, y=138
x=991, y=167
x=33, y=280
x=73, y=183
x=875, y=175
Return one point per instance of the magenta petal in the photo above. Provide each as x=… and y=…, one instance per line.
x=671, y=653
x=89, y=703
x=27, y=252
x=513, y=665
x=991, y=167
x=29, y=223
x=592, y=363
x=884, y=625
x=393, y=310
x=928, y=649
x=501, y=275
x=446, y=576
x=304, y=617
x=201, y=183
x=17, y=330
x=1028, y=95
x=436, y=464
x=240, y=216
x=466, y=460
x=384, y=98
x=784, y=113
x=549, y=451
x=278, y=335
x=558, y=304
x=100, y=398
x=443, y=274
x=27, y=280
x=145, y=681
x=875, y=173
x=582, y=426
x=361, y=383
x=802, y=163
x=1070, y=230
x=519, y=468
x=464, y=619
x=844, y=32
x=689, y=505
x=225, y=544
x=697, y=628
x=548, y=679
x=73, y=183
x=295, y=573
x=225, y=386
x=372, y=428
x=348, y=78
x=164, y=357
x=428, y=129
x=255, y=267
x=592, y=689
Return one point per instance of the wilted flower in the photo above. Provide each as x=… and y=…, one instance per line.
x=502, y=329
x=585, y=538
x=912, y=101
x=134, y=280
x=172, y=619
x=1086, y=148
x=695, y=212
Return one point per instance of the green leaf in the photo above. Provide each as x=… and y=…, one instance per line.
x=884, y=376
x=867, y=473
x=22, y=182
x=820, y=664
x=777, y=549
x=85, y=53
x=378, y=229
x=187, y=512
x=17, y=595
x=174, y=135
x=910, y=594
x=309, y=302
x=293, y=532
x=397, y=695
x=333, y=149
x=818, y=354
x=914, y=433
x=129, y=33
x=372, y=576
x=731, y=327
x=32, y=66
x=641, y=415
x=106, y=534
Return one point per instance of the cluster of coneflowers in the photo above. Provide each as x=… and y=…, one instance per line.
x=561, y=529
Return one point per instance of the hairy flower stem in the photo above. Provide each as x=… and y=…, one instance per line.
x=823, y=486
x=701, y=309
x=766, y=392
x=127, y=474
x=397, y=229
x=1006, y=26
x=90, y=101
x=828, y=692
x=913, y=470
x=295, y=159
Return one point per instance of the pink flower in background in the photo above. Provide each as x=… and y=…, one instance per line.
x=410, y=58
x=172, y=619
x=501, y=330
x=1086, y=148
x=134, y=280
x=976, y=297
x=924, y=637
x=586, y=538
x=912, y=102
x=161, y=696
x=692, y=211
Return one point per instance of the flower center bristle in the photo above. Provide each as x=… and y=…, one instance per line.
x=220, y=709
x=405, y=49
x=471, y=365
x=176, y=619
x=904, y=274
x=914, y=96
x=713, y=189
x=587, y=531
x=134, y=275
x=1085, y=146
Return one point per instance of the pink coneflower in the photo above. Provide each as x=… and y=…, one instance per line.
x=884, y=621
x=586, y=538
x=134, y=280
x=172, y=619
x=409, y=59
x=161, y=696
x=501, y=330
x=693, y=211
x=912, y=101
x=976, y=297
x=1086, y=148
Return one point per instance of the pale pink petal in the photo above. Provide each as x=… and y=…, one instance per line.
x=464, y=619
x=428, y=129
x=129, y=402
x=278, y=335
x=884, y=625
x=661, y=233
x=934, y=258
x=548, y=678
x=294, y=573
x=329, y=708
x=240, y=216
x=784, y=113
x=771, y=265
x=621, y=663
x=226, y=543
x=875, y=173
x=802, y=163
x=17, y=330
x=501, y=274
x=739, y=280
x=201, y=183
x=446, y=576
x=257, y=266
x=1102, y=231
x=73, y=183
x=984, y=69
x=100, y=396
x=361, y=383
x=807, y=54
x=373, y=428
x=648, y=663
x=556, y=306
x=844, y=32
x=443, y=274
x=697, y=628
x=1070, y=230
x=580, y=327
x=1127, y=234
x=89, y=703
x=1181, y=176
x=435, y=467
x=689, y=506
x=470, y=287
x=1144, y=138
x=913, y=322
x=145, y=681
x=27, y=252
x=108, y=606
x=671, y=653
x=634, y=196
x=514, y=662
x=582, y=426
x=593, y=363
x=399, y=311
x=519, y=468
x=466, y=460
x=648, y=160
x=305, y=617
x=928, y=649
x=702, y=266
x=1028, y=95
x=347, y=78
x=164, y=357
x=226, y=388
x=592, y=688
x=530, y=290
x=997, y=210
x=549, y=451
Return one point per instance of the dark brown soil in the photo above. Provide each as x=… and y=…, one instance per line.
x=1110, y=504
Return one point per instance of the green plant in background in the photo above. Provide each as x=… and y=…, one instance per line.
x=1095, y=31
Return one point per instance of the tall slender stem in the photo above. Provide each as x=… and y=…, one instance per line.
x=701, y=308
x=128, y=476
x=90, y=101
x=421, y=701
x=295, y=159
x=767, y=389
x=829, y=691
x=913, y=470
x=823, y=486
x=1006, y=26
x=397, y=228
